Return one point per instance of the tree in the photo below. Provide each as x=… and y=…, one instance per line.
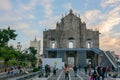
x=6, y=35
x=31, y=56
x=7, y=53
x=28, y=56
x=32, y=50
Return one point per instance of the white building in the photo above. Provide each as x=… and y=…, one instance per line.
x=37, y=45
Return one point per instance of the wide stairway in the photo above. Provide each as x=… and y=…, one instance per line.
x=61, y=76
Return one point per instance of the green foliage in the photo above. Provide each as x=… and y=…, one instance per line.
x=31, y=56
x=34, y=63
x=28, y=57
x=35, y=69
x=12, y=62
x=10, y=55
x=22, y=57
x=6, y=35
x=32, y=50
x=7, y=53
x=22, y=63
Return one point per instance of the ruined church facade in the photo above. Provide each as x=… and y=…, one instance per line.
x=71, y=41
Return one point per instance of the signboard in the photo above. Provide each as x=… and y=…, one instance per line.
x=52, y=62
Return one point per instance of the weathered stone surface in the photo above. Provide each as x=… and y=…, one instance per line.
x=70, y=27
x=70, y=33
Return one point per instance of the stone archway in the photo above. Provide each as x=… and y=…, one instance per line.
x=71, y=58
x=91, y=58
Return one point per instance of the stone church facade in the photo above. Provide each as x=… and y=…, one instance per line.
x=72, y=41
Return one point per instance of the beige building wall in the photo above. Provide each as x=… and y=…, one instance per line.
x=36, y=44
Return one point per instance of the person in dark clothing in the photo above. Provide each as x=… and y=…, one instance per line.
x=85, y=68
x=95, y=75
x=46, y=70
x=99, y=70
x=54, y=70
x=75, y=70
x=66, y=70
x=103, y=73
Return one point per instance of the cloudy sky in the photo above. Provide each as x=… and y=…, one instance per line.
x=31, y=17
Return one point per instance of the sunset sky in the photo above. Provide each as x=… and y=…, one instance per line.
x=31, y=17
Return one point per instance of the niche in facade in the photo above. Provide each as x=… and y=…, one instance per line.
x=53, y=43
x=71, y=42
x=89, y=43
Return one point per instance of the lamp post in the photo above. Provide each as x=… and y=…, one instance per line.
x=19, y=46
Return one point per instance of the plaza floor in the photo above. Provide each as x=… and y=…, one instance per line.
x=61, y=76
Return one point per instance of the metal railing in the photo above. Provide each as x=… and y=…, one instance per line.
x=111, y=59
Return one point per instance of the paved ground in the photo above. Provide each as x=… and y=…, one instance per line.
x=61, y=76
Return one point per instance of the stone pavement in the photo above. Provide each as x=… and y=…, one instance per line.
x=80, y=76
x=61, y=76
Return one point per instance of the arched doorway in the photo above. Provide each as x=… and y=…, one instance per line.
x=91, y=59
x=71, y=58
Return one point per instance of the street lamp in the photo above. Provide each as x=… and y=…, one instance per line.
x=19, y=46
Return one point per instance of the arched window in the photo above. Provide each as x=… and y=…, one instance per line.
x=89, y=44
x=70, y=44
x=53, y=44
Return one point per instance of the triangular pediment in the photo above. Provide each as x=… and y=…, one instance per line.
x=71, y=15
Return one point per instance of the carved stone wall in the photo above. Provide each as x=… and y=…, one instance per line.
x=69, y=27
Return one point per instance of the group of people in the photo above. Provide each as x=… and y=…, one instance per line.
x=94, y=73
x=98, y=73
x=11, y=71
x=66, y=70
x=47, y=70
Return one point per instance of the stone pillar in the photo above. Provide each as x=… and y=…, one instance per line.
x=99, y=59
x=76, y=56
x=46, y=54
x=82, y=58
x=60, y=54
